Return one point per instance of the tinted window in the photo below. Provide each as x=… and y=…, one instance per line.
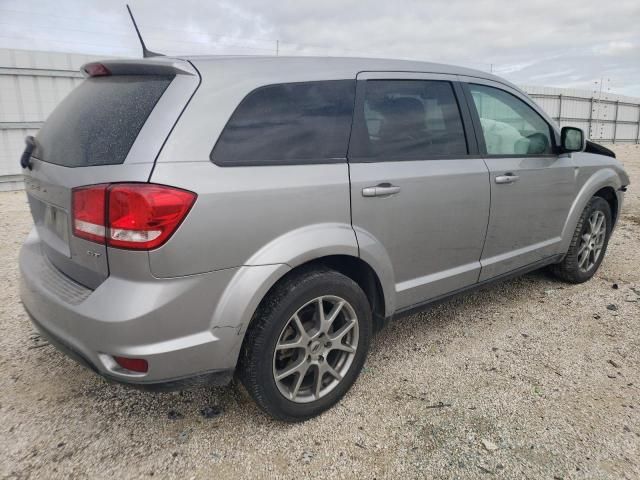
x=99, y=120
x=289, y=123
x=509, y=125
x=409, y=120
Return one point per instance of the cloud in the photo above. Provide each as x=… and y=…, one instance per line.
x=614, y=48
x=523, y=40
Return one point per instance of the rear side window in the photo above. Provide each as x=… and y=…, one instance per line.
x=289, y=123
x=509, y=125
x=408, y=120
x=99, y=121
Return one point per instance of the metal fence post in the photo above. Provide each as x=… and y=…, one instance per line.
x=638, y=132
x=591, y=120
x=560, y=110
x=615, y=121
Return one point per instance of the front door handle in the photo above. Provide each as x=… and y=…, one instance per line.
x=380, y=190
x=507, y=178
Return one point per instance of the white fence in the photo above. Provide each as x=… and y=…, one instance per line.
x=32, y=84
x=606, y=118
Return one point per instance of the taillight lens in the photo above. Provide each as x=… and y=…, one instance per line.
x=137, y=216
x=144, y=216
x=88, y=205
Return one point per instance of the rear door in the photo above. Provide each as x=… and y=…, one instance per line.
x=109, y=129
x=418, y=187
x=532, y=187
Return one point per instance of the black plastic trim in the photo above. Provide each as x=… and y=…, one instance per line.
x=421, y=159
x=473, y=149
x=276, y=163
x=598, y=149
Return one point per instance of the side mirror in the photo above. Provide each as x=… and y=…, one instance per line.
x=572, y=139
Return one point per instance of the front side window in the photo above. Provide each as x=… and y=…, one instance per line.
x=509, y=125
x=289, y=123
x=409, y=120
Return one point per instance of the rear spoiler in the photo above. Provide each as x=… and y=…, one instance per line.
x=598, y=149
x=149, y=66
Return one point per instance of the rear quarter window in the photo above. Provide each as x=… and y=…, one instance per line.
x=289, y=123
x=97, y=123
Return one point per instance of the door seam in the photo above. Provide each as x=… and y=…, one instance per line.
x=349, y=185
x=486, y=231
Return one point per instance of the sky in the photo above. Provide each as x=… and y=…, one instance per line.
x=573, y=43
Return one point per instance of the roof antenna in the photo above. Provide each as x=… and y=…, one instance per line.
x=145, y=52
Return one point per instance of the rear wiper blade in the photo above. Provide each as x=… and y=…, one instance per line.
x=25, y=159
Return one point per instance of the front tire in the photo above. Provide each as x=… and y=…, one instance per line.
x=306, y=344
x=588, y=245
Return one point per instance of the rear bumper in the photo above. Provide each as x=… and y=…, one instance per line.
x=168, y=322
x=214, y=378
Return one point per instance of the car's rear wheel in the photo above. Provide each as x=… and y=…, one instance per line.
x=588, y=245
x=306, y=344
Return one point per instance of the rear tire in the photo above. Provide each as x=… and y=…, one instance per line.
x=588, y=245
x=324, y=351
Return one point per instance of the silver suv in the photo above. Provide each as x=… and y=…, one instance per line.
x=202, y=217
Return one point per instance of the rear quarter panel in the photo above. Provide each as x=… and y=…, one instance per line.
x=248, y=215
x=256, y=216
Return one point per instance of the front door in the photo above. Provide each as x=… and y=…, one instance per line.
x=532, y=188
x=419, y=191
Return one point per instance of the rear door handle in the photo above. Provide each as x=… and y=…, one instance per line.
x=507, y=178
x=380, y=190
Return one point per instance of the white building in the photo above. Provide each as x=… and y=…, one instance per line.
x=32, y=83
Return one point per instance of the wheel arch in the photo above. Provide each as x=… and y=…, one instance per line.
x=603, y=183
x=331, y=246
x=609, y=194
x=360, y=272
x=338, y=246
x=270, y=276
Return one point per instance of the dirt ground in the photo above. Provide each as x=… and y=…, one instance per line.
x=530, y=378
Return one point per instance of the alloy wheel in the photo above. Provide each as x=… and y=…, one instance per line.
x=592, y=241
x=315, y=349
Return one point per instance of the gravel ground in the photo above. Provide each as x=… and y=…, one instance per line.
x=529, y=378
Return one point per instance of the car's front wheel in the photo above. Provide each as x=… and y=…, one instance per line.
x=306, y=344
x=588, y=245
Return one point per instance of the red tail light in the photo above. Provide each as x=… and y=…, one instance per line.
x=137, y=216
x=89, y=212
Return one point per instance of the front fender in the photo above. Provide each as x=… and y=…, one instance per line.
x=606, y=177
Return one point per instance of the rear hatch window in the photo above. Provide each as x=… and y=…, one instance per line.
x=99, y=121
